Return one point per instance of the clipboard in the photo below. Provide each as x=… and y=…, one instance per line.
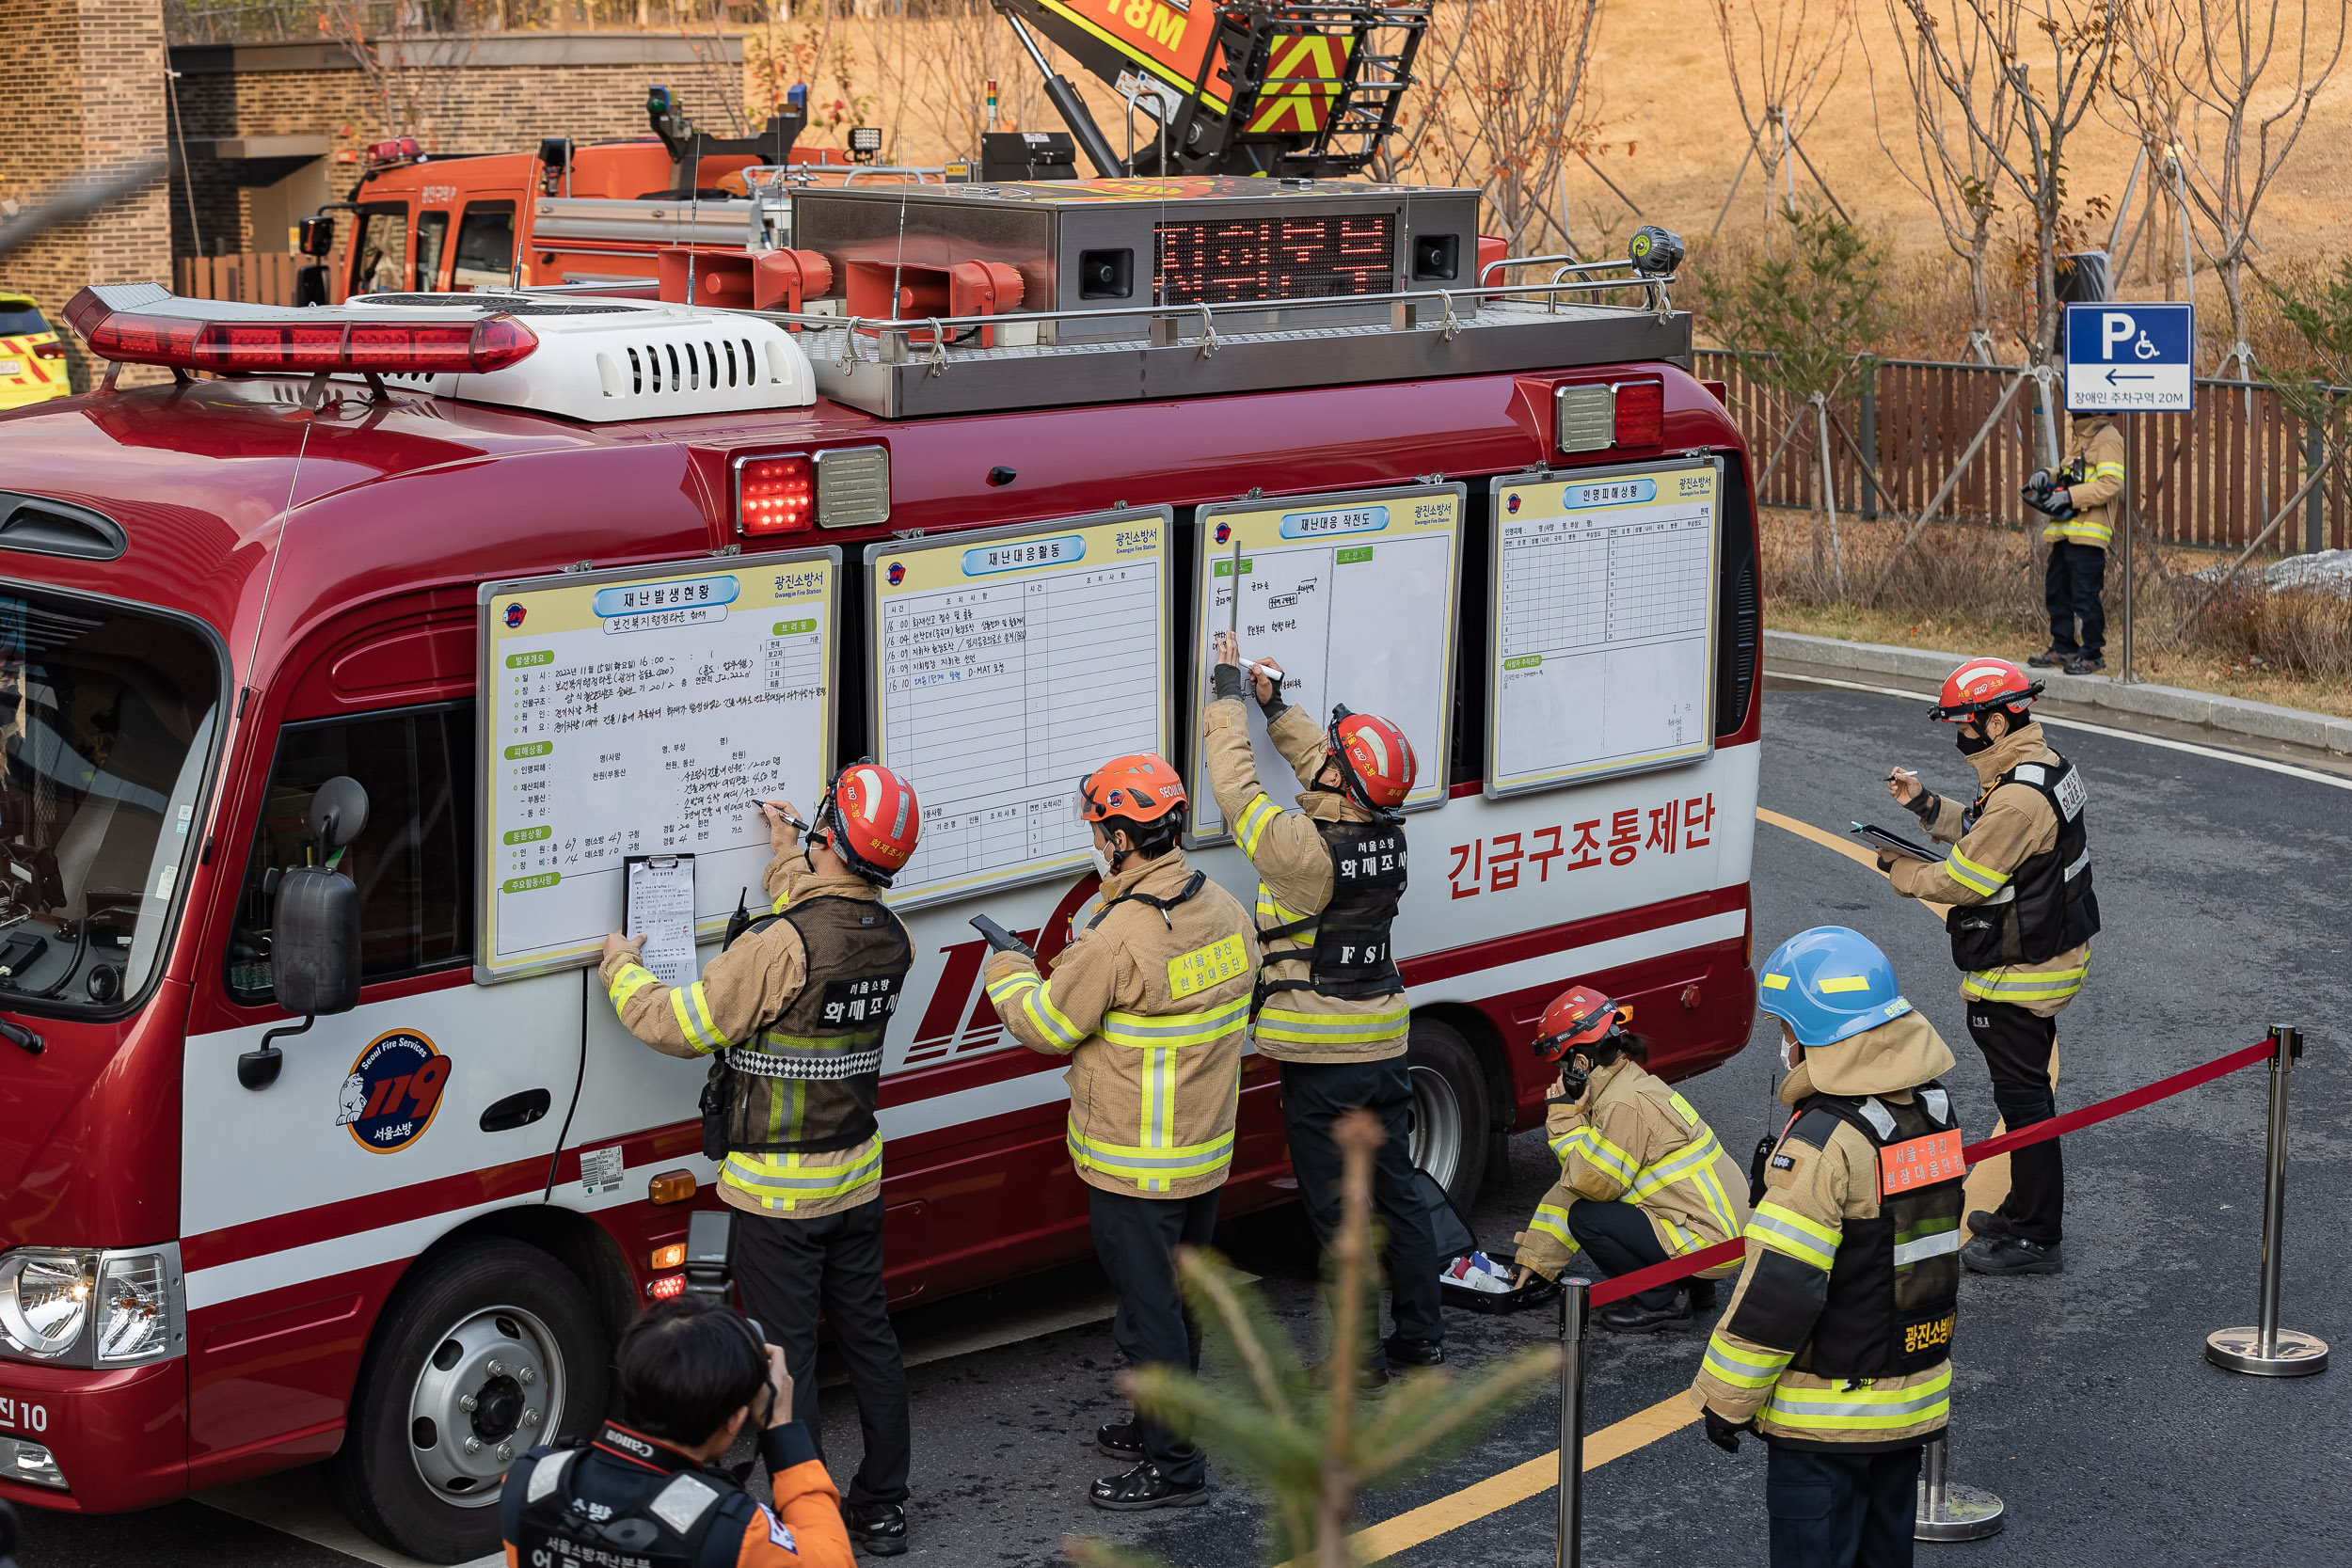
x=1878, y=838
x=658, y=899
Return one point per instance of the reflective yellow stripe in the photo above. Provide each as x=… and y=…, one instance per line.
x=1598, y=1151
x=692, y=1009
x=2107, y=470
x=1790, y=1233
x=628, y=981
x=1147, y=1030
x=1694, y=1164
x=1744, y=1369
x=1254, y=817
x=1151, y=1169
x=1022, y=990
x=1552, y=1221
x=2010, y=985
x=1968, y=874
x=2082, y=530
x=1278, y=1023
x=1843, y=982
x=785, y=1180
x=1839, y=1408
x=1775, y=982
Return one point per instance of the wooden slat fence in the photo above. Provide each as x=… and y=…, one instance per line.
x=2209, y=478
x=255, y=276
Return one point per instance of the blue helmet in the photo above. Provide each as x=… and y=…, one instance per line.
x=1828, y=984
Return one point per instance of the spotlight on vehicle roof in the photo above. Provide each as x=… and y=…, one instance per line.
x=1654, y=251
x=865, y=142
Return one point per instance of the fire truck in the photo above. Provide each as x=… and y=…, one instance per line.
x=230, y=600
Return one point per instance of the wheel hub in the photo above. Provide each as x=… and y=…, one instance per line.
x=1435, y=1116
x=492, y=1387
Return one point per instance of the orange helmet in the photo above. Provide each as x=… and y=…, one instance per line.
x=1140, y=788
x=1577, y=1017
x=1980, y=686
x=1377, y=762
x=870, y=818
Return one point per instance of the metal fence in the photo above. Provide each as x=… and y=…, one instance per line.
x=255, y=277
x=2210, y=478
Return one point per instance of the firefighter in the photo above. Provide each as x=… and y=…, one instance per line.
x=793, y=1013
x=1151, y=1004
x=1330, y=1004
x=2082, y=524
x=692, y=1375
x=1641, y=1178
x=1836, y=1347
x=2018, y=880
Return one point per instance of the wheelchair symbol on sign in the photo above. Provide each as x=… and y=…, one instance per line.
x=2144, y=349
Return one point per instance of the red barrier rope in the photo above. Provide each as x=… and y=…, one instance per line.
x=1975, y=1153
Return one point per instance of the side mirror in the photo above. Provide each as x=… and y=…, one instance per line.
x=314, y=936
x=315, y=236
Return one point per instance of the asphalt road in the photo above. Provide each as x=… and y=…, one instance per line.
x=2082, y=1400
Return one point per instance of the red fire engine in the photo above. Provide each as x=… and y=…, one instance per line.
x=408, y=1250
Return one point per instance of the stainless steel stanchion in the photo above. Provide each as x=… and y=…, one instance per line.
x=2266, y=1349
x=1570, y=1533
x=1948, y=1512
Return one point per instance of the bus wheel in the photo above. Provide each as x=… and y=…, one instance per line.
x=1449, y=1110
x=486, y=1353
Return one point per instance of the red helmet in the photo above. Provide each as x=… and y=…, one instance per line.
x=1376, y=763
x=1577, y=1017
x=1141, y=788
x=870, y=818
x=1981, y=685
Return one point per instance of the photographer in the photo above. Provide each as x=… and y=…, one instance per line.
x=692, y=1374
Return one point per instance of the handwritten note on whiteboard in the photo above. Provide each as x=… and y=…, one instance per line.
x=1009, y=664
x=641, y=713
x=1603, y=602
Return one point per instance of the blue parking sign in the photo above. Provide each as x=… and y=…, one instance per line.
x=2129, y=356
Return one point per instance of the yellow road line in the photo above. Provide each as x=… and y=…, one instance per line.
x=1416, y=1527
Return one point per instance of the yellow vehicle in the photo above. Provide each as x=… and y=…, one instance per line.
x=32, y=361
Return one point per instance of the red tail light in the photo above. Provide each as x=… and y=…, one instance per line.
x=1640, y=413
x=776, y=495
x=302, y=342
x=48, y=351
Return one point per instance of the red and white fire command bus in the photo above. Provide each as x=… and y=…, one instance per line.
x=408, y=1249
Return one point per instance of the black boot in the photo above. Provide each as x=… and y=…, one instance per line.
x=1641, y=1315
x=2005, y=1254
x=1120, y=1439
x=879, y=1527
x=1145, y=1487
x=1702, y=1295
x=2051, y=657
x=1416, y=1353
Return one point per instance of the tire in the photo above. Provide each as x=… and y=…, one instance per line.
x=488, y=1304
x=1449, y=1112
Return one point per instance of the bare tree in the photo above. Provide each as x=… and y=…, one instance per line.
x=2144, y=101
x=2253, y=67
x=1958, y=172
x=1785, y=57
x=2078, y=37
x=410, y=73
x=937, y=75
x=1436, y=97
x=1527, y=108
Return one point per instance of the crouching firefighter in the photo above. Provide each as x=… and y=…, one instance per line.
x=1330, y=1004
x=1151, y=1004
x=1836, y=1347
x=649, y=1489
x=794, y=1010
x=1641, y=1178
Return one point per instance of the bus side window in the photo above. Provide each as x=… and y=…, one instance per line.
x=414, y=863
x=485, y=247
x=379, y=252
x=432, y=229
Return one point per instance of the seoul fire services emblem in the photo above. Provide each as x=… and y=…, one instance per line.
x=898, y=574
x=1224, y=533
x=1511, y=503
x=393, y=1091
x=514, y=614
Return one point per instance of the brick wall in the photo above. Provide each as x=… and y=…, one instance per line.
x=490, y=94
x=81, y=89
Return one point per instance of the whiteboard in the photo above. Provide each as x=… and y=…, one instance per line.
x=641, y=712
x=1008, y=664
x=1602, y=659
x=1352, y=596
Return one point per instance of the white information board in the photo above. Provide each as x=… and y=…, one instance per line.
x=639, y=712
x=1352, y=596
x=1603, y=609
x=1008, y=664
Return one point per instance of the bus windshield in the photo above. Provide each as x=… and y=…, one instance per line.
x=106, y=720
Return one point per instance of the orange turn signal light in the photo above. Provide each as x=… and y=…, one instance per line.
x=671, y=1256
x=671, y=1186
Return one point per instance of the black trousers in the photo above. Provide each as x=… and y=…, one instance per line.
x=788, y=1269
x=1619, y=1238
x=2071, y=586
x=1841, y=1510
x=2017, y=1048
x=1314, y=1095
x=1137, y=1239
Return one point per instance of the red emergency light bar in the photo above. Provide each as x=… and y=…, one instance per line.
x=398, y=150
x=298, y=342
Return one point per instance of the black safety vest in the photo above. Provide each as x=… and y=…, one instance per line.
x=1354, y=956
x=2046, y=907
x=624, y=1499
x=1894, y=1287
x=807, y=1082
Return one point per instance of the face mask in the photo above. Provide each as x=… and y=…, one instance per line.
x=1101, y=864
x=1790, y=1054
x=1970, y=745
